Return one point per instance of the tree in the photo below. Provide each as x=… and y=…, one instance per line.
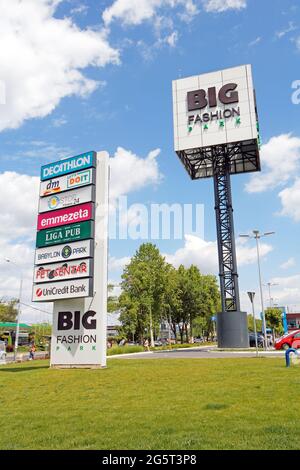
x=112, y=300
x=8, y=311
x=274, y=319
x=251, y=323
x=142, y=290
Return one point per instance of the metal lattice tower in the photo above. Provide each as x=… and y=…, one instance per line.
x=225, y=231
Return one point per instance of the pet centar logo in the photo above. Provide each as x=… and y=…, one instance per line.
x=201, y=99
x=74, y=322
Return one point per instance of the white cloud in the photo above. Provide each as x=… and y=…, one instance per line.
x=58, y=122
x=287, y=291
x=114, y=264
x=130, y=172
x=290, y=201
x=255, y=42
x=135, y=12
x=223, y=5
x=280, y=159
x=291, y=27
x=43, y=58
x=204, y=254
x=18, y=205
x=288, y=264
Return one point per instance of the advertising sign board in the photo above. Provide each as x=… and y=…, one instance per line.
x=63, y=271
x=64, y=183
x=49, y=292
x=65, y=234
x=214, y=108
x=67, y=199
x=64, y=252
x=79, y=213
x=69, y=165
x=77, y=334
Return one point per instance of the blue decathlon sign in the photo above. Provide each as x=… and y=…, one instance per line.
x=69, y=165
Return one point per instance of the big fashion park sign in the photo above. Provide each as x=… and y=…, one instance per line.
x=71, y=257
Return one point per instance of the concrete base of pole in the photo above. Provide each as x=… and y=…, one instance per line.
x=232, y=330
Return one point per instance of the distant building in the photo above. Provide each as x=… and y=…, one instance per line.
x=112, y=330
x=293, y=321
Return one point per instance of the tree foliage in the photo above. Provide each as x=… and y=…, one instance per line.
x=274, y=319
x=8, y=311
x=154, y=291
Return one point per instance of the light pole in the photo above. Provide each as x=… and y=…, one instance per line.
x=269, y=285
x=257, y=236
x=19, y=308
x=251, y=297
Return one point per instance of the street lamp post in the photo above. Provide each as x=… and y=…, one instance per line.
x=251, y=297
x=19, y=308
x=257, y=236
x=271, y=300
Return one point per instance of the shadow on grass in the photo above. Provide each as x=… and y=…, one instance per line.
x=22, y=369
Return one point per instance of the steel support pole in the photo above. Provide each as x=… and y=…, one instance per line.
x=225, y=235
x=232, y=328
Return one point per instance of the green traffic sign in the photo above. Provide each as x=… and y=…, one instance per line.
x=66, y=234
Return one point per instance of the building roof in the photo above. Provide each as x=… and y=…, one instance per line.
x=13, y=325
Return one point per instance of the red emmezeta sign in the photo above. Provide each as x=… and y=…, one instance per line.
x=79, y=213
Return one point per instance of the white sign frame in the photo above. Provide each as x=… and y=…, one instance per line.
x=196, y=133
x=74, y=357
x=60, y=184
x=63, y=271
x=54, y=254
x=62, y=290
x=67, y=199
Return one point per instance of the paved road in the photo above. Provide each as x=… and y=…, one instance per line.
x=197, y=353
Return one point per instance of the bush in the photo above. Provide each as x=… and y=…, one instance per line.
x=124, y=350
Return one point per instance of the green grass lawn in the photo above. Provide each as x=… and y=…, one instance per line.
x=152, y=404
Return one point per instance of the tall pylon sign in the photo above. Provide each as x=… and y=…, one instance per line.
x=216, y=134
x=71, y=257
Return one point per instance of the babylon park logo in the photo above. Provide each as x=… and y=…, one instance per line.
x=66, y=251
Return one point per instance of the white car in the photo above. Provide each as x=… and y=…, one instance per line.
x=2, y=353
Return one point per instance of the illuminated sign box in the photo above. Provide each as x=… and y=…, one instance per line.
x=214, y=108
x=63, y=271
x=67, y=182
x=213, y=111
x=68, y=165
x=64, y=252
x=59, y=290
x=67, y=199
x=80, y=213
x=65, y=234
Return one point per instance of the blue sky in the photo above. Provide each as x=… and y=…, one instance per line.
x=97, y=75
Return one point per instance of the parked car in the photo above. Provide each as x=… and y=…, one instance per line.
x=260, y=340
x=2, y=352
x=290, y=340
x=198, y=340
